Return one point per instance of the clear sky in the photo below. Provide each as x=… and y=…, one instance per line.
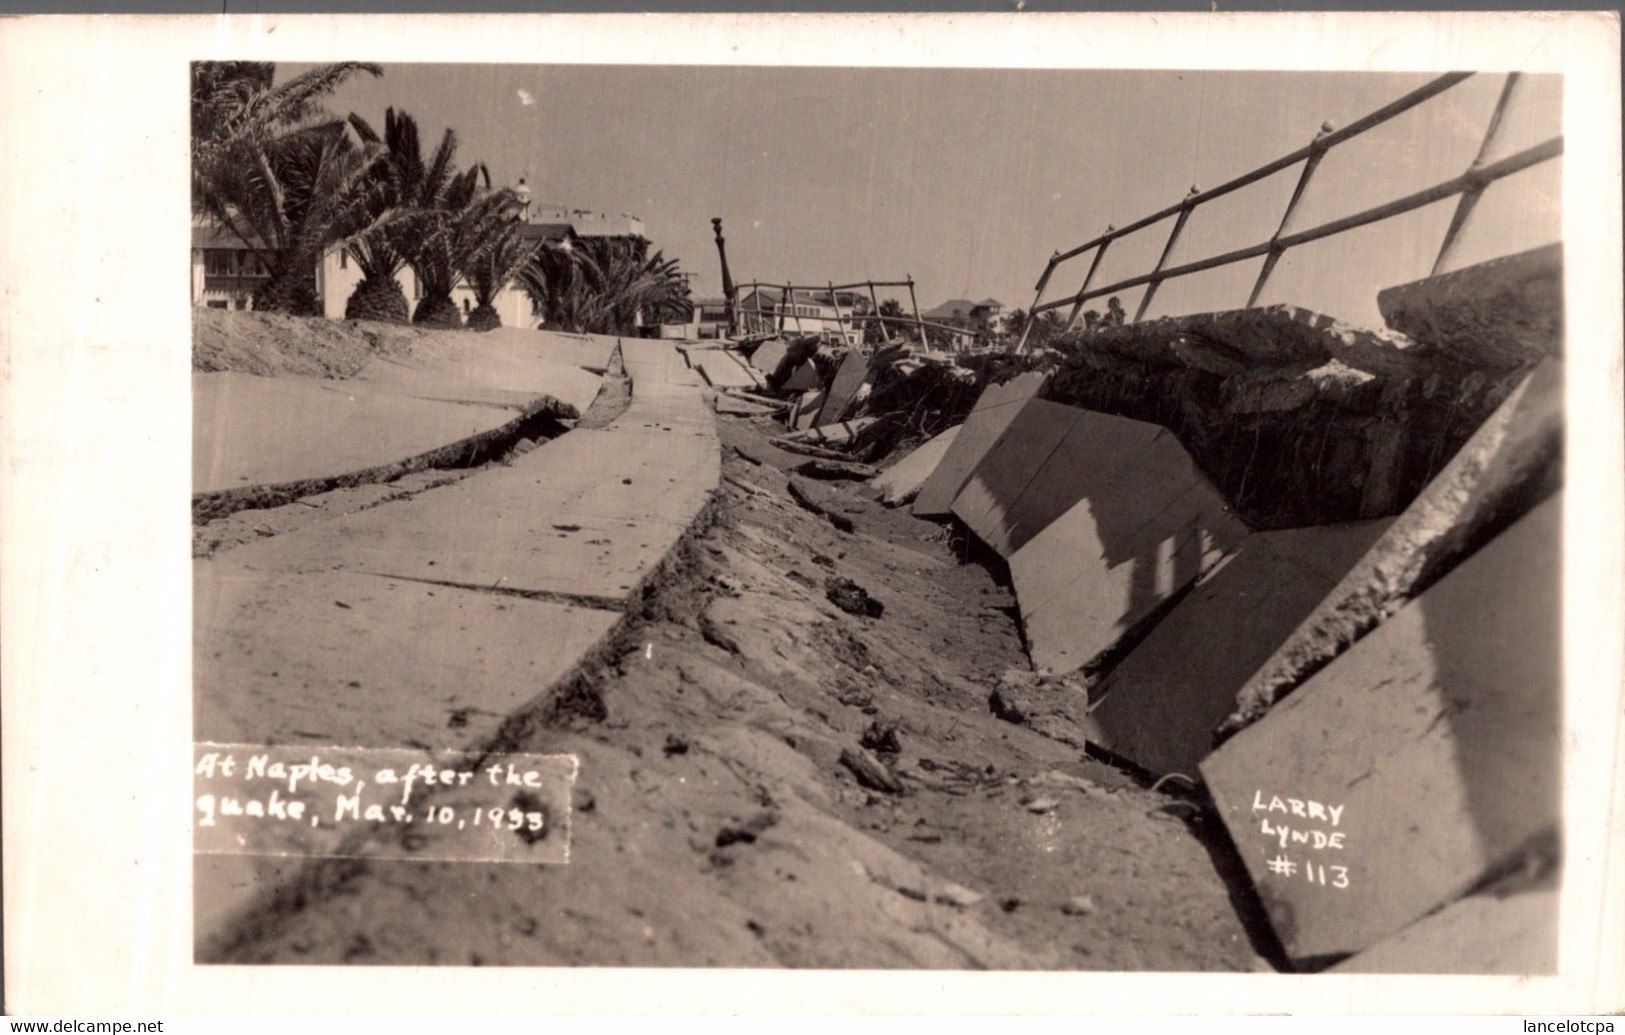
x=968, y=179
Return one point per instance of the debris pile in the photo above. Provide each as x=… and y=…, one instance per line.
x=1316, y=564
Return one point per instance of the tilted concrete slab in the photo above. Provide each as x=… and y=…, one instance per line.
x=1147, y=524
x=484, y=371
x=586, y=514
x=1511, y=460
x=802, y=379
x=1501, y=313
x=1044, y=463
x=1480, y=934
x=586, y=350
x=769, y=354
x=1416, y=764
x=804, y=413
x=900, y=483
x=849, y=378
x=988, y=503
x=249, y=430
x=1158, y=707
x=725, y=370
x=993, y=412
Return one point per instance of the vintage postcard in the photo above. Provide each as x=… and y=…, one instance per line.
x=851, y=497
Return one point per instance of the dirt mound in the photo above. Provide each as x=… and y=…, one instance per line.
x=269, y=344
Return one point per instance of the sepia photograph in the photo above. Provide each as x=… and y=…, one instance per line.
x=726, y=507
x=1196, y=611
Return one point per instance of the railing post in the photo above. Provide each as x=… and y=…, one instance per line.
x=1317, y=151
x=1470, y=196
x=1094, y=265
x=918, y=323
x=840, y=321
x=1038, y=296
x=1185, y=209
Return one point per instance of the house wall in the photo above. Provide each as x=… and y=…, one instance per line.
x=231, y=288
x=511, y=304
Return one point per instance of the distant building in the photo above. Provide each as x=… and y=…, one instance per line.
x=226, y=272
x=986, y=318
x=709, y=320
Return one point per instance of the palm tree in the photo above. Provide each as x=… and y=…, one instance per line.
x=603, y=285
x=619, y=286
x=237, y=107
x=549, y=277
x=405, y=185
x=289, y=200
x=279, y=173
x=494, y=251
x=441, y=246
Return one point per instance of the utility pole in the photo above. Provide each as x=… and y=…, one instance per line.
x=727, y=280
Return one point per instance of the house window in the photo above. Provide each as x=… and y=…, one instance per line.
x=216, y=304
x=344, y=259
x=217, y=262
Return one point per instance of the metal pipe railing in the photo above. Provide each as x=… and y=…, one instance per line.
x=1469, y=186
x=774, y=319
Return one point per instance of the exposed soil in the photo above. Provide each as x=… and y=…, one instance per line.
x=768, y=779
x=271, y=343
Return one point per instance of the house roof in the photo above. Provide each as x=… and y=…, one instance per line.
x=211, y=235
x=963, y=305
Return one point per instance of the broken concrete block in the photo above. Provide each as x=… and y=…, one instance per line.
x=1502, y=313
x=1049, y=458
x=1415, y=765
x=901, y=482
x=1479, y=934
x=803, y=378
x=804, y=413
x=1145, y=526
x=993, y=412
x=1512, y=461
x=990, y=501
x=769, y=354
x=853, y=371
x=1158, y=707
x=1263, y=337
x=723, y=369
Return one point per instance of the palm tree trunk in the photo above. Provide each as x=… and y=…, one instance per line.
x=438, y=311
x=293, y=293
x=378, y=299
x=484, y=318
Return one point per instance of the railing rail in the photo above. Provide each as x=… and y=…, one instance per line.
x=1469, y=186
x=776, y=319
